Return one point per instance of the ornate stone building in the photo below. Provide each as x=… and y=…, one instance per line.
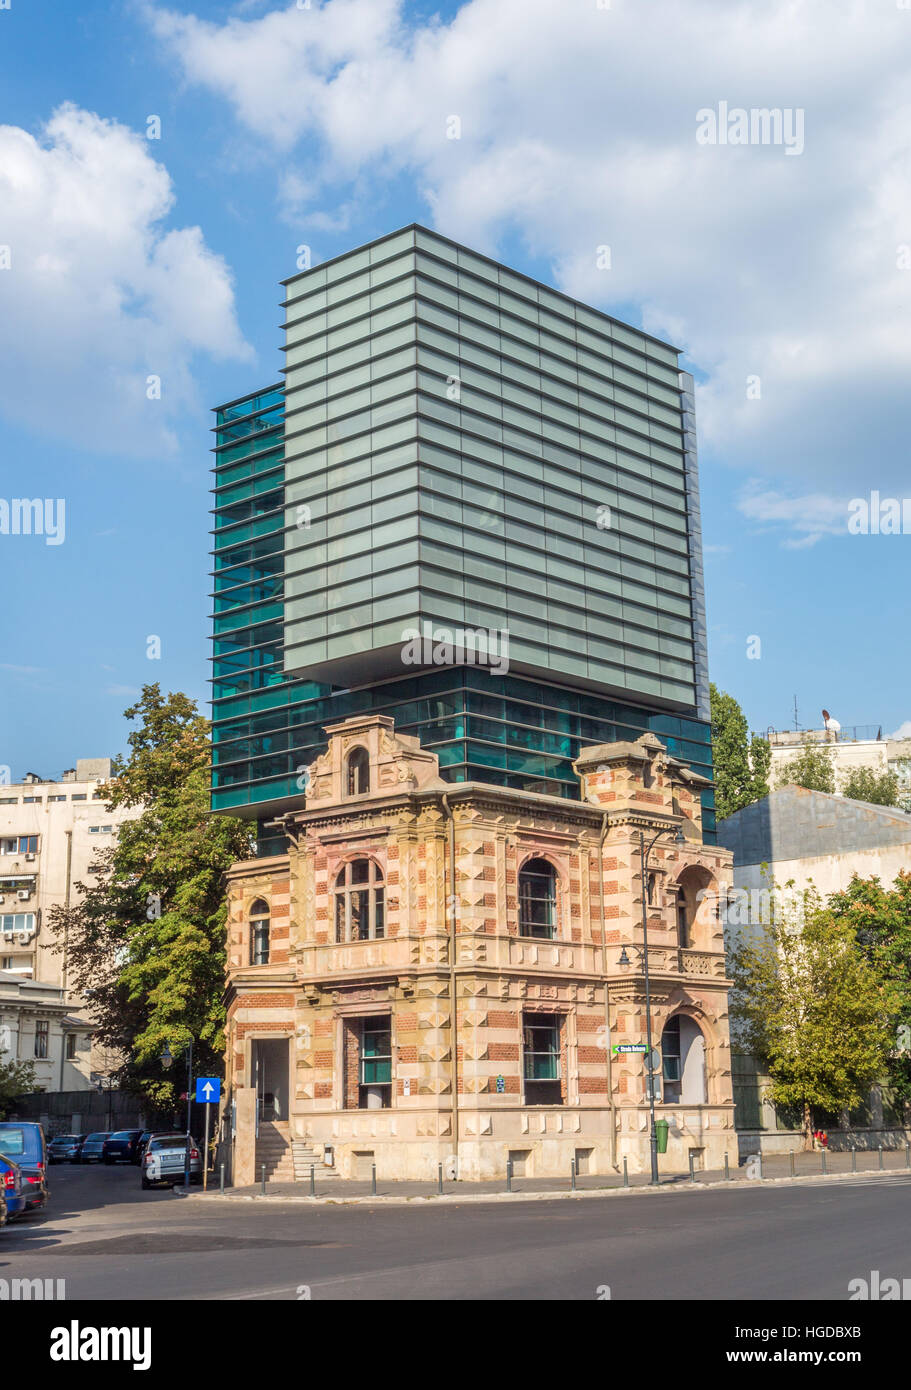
x=452, y=973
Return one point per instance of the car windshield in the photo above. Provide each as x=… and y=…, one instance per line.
x=64, y=1139
x=123, y=1134
x=96, y=1138
x=169, y=1141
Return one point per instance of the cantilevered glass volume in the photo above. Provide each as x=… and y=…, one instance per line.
x=455, y=449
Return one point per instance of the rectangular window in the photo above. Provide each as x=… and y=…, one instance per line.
x=12, y=922
x=79, y=796
x=259, y=941
x=70, y=1051
x=56, y=798
x=541, y=1059
x=42, y=1032
x=28, y=800
x=19, y=844
x=375, y=1064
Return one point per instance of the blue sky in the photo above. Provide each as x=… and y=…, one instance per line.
x=325, y=125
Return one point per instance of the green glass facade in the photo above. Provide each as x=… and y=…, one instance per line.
x=454, y=445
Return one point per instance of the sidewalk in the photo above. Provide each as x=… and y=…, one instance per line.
x=775, y=1168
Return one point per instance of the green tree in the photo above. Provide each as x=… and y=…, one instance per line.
x=810, y=1002
x=146, y=942
x=812, y=768
x=740, y=764
x=17, y=1079
x=881, y=921
x=864, y=784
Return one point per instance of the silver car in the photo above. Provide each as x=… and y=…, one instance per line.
x=164, y=1160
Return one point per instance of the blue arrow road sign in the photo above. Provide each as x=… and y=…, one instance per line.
x=208, y=1090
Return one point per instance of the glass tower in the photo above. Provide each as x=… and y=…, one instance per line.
x=455, y=448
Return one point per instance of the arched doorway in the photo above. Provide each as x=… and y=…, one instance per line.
x=693, y=910
x=683, y=1062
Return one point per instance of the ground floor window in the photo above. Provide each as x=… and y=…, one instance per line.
x=369, y=1063
x=542, y=1063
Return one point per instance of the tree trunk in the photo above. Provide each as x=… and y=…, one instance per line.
x=807, y=1127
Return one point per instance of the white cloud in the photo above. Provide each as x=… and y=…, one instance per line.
x=99, y=294
x=804, y=519
x=903, y=730
x=578, y=130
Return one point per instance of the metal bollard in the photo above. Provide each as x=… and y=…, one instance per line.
x=312, y=1180
x=263, y=1169
x=373, y=1180
x=509, y=1175
x=853, y=1158
x=440, y=1179
x=880, y=1158
x=822, y=1160
x=625, y=1174
x=692, y=1158
x=727, y=1169
x=791, y=1162
x=908, y=1155
x=221, y=1178
x=572, y=1175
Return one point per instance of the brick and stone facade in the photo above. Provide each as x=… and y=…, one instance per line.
x=414, y=1045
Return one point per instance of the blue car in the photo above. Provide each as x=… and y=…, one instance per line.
x=11, y=1182
x=22, y=1141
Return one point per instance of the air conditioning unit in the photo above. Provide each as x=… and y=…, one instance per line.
x=24, y=894
x=2, y=898
x=30, y=857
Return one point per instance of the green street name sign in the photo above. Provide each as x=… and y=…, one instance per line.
x=630, y=1047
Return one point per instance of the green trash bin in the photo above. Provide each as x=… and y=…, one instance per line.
x=661, y=1129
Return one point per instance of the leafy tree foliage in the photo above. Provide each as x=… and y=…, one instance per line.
x=17, y=1079
x=146, y=940
x=810, y=1001
x=881, y=921
x=740, y=764
x=865, y=784
x=812, y=768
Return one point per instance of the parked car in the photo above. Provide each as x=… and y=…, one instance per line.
x=164, y=1160
x=120, y=1145
x=11, y=1185
x=141, y=1146
x=92, y=1147
x=63, y=1146
x=23, y=1142
x=76, y=1155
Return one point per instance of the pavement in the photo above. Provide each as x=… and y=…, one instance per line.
x=743, y=1240
x=775, y=1168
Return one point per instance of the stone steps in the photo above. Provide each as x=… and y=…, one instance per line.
x=287, y=1159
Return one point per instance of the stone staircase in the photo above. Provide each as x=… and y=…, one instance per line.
x=273, y=1148
x=303, y=1155
x=287, y=1159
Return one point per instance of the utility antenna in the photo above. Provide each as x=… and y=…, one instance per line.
x=796, y=721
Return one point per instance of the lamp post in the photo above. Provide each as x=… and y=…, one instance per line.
x=644, y=852
x=166, y=1060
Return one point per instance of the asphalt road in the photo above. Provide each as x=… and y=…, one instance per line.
x=109, y=1240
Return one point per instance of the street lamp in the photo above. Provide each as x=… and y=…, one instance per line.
x=644, y=852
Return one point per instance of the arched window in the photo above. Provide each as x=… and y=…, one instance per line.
x=359, y=905
x=259, y=933
x=538, y=899
x=358, y=772
x=683, y=1062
